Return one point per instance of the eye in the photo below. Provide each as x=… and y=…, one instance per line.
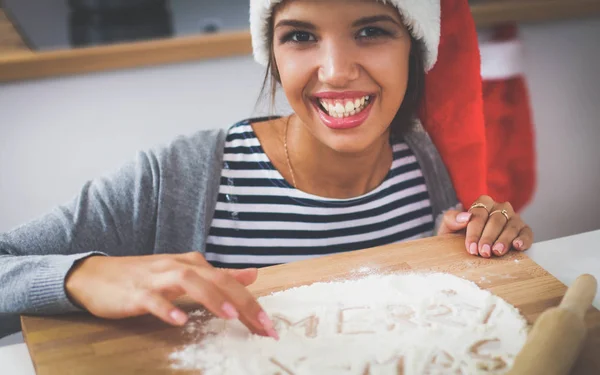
x=372, y=32
x=298, y=37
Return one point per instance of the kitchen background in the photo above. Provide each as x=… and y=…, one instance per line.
x=56, y=133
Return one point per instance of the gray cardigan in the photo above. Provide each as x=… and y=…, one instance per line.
x=161, y=202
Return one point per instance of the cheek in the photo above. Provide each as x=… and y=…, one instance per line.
x=295, y=73
x=393, y=78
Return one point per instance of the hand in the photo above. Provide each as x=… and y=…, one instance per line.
x=120, y=287
x=488, y=231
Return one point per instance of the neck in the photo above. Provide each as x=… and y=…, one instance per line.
x=343, y=175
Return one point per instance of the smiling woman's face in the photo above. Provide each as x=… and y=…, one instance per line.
x=343, y=66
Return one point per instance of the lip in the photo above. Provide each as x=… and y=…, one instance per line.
x=341, y=95
x=346, y=122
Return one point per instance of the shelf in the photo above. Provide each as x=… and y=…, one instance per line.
x=22, y=65
x=493, y=12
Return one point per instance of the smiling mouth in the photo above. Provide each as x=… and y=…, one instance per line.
x=343, y=108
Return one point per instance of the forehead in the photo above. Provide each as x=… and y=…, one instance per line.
x=314, y=9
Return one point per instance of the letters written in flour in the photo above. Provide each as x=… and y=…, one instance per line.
x=395, y=324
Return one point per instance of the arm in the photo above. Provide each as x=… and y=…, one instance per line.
x=114, y=215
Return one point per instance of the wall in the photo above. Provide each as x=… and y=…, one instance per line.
x=562, y=71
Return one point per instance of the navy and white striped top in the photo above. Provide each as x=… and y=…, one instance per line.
x=262, y=220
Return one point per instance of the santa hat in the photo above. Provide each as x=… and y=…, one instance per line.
x=452, y=109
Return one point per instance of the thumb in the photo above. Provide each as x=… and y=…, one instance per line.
x=244, y=276
x=454, y=221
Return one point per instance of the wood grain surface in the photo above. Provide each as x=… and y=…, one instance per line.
x=492, y=12
x=81, y=344
x=17, y=62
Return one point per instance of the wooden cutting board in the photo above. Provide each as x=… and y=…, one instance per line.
x=81, y=344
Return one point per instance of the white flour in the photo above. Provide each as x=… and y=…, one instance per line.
x=396, y=324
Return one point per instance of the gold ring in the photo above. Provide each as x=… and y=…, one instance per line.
x=479, y=205
x=503, y=212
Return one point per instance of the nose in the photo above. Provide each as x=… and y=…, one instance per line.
x=338, y=66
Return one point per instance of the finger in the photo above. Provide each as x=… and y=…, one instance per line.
x=454, y=221
x=511, y=230
x=248, y=308
x=245, y=276
x=492, y=230
x=160, y=307
x=248, y=313
x=524, y=240
x=251, y=313
x=199, y=289
x=477, y=224
x=485, y=200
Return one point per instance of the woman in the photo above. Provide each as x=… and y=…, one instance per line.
x=349, y=169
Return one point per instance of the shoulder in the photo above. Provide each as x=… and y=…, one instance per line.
x=209, y=141
x=197, y=149
x=439, y=184
x=419, y=140
x=420, y=143
x=197, y=146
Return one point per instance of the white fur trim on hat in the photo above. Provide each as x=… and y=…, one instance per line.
x=422, y=17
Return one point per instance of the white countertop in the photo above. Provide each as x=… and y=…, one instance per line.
x=565, y=258
x=569, y=257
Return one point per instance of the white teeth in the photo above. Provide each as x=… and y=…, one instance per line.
x=338, y=109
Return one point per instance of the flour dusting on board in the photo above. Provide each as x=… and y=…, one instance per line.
x=378, y=324
x=363, y=271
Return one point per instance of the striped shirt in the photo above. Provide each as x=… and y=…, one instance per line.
x=262, y=220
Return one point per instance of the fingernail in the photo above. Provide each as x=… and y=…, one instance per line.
x=178, y=316
x=498, y=249
x=267, y=325
x=272, y=333
x=486, y=250
x=264, y=320
x=518, y=244
x=230, y=311
x=473, y=249
x=463, y=217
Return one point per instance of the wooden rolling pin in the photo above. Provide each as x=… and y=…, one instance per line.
x=556, y=339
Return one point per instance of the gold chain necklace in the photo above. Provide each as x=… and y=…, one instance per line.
x=287, y=154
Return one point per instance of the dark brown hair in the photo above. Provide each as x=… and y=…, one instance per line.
x=415, y=89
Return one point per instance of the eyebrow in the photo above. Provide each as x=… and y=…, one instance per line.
x=373, y=19
x=296, y=24
x=360, y=22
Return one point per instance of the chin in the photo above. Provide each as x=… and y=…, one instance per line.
x=352, y=142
